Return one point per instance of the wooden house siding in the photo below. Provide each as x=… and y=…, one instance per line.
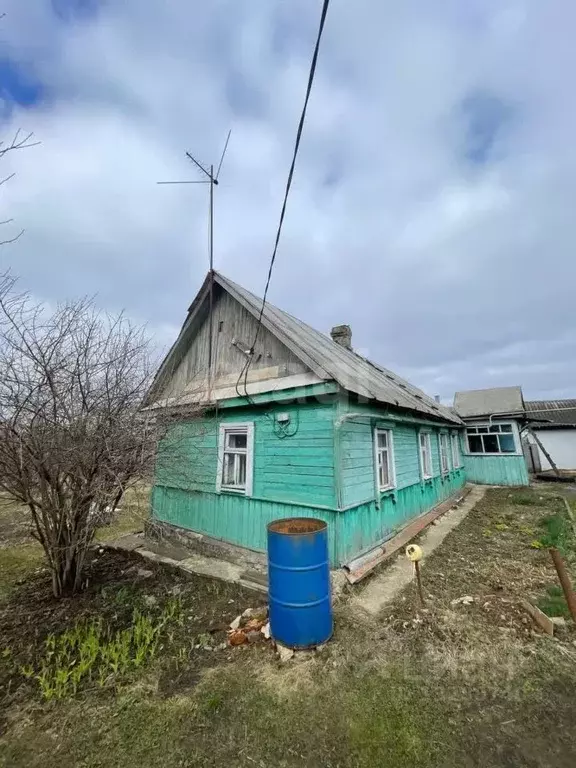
x=365, y=526
x=235, y=519
x=496, y=470
x=326, y=469
x=297, y=468
x=367, y=517
x=231, y=322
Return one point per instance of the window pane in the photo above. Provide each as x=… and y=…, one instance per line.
x=482, y=429
x=382, y=439
x=241, y=469
x=475, y=444
x=445, y=463
x=505, y=427
x=490, y=443
x=494, y=428
x=471, y=430
x=507, y=443
x=237, y=440
x=228, y=469
x=455, y=451
x=384, y=474
x=425, y=454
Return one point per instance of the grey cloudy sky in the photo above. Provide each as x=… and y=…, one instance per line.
x=433, y=202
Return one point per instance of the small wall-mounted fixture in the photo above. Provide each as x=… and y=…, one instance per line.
x=241, y=347
x=283, y=418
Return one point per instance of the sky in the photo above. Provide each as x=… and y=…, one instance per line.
x=432, y=207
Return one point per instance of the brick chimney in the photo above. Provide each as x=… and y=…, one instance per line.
x=342, y=334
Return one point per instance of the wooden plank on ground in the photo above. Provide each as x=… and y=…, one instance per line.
x=539, y=617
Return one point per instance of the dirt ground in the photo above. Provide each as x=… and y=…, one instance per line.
x=452, y=685
x=493, y=558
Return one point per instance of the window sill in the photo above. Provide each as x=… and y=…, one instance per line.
x=235, y=491
x=493, y=454
x=390, y=490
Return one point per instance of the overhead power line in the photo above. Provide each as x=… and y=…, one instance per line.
x=246, y=368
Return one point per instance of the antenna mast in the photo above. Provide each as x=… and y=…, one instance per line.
x=213, y=181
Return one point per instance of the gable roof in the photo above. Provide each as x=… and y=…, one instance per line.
x=328, y=360
x=556, y=413
x=503, y=401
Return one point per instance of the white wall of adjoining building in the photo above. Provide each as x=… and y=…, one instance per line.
x=561, y=445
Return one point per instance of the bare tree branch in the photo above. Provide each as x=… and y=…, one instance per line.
x=18, y=142
x=11, y=239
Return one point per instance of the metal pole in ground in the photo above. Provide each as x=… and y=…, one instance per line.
x=419, y=582
x=564, y=578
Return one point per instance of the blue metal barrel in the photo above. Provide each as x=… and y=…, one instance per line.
x=299, y=582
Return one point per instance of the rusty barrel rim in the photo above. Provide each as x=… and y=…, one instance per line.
x=297, y=526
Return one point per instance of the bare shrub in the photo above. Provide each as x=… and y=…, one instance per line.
x=73, y=435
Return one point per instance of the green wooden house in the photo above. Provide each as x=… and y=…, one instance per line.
x=294, y=423
x=495, y=420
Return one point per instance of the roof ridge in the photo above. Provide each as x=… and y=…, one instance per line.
x=328, y=359
x=348, y=357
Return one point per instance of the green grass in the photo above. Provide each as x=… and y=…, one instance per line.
x=16, y=563
x=526, y=498
x=554, y=602
x=134, y=511
x=404, y=714
x=90, y=653
x=376, y=696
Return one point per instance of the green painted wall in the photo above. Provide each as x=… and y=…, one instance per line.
x=496, y=470
x=499, y=469
x=231, y=518
x=297, y=468
x=365, y=526
x=295, y=476
x=365, y=523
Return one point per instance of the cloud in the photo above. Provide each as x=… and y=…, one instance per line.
x=431, y=206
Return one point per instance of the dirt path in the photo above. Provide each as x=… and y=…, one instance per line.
x=384, y=587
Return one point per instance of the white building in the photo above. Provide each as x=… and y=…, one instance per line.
x=555, y=427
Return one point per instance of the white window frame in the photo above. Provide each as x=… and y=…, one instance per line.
x=428, y=449
x=455, y=446
x=389, y=450
x=242, y=427
x=444, y=451
x=487, y=427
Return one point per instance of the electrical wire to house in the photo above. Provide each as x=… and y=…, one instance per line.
x=245, y=370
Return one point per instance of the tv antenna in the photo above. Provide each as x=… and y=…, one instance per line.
x=212, y=179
